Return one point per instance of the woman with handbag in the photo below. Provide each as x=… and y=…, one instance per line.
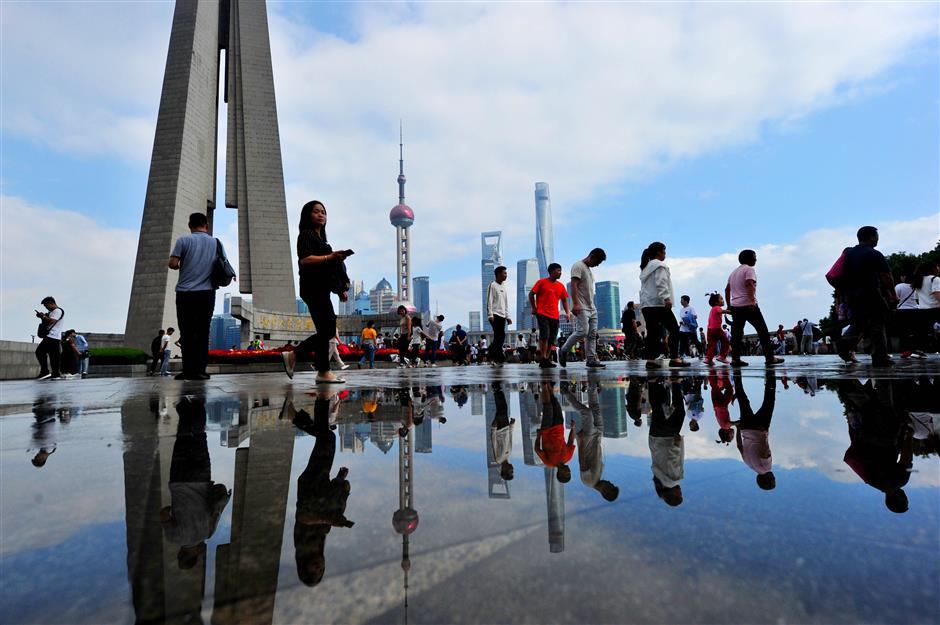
x=321, y=272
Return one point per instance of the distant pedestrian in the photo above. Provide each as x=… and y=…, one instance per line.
x=433, y=332
x=544, y=297
x=631, y=331
x=717, y=339
x=741, y=294
x=927, y=282
x=156, y=352
x=166, y=351
x=368, y=339
x=458, y=345
x=688, y=328
x=414, y=345
x=867, y=287
x=321, y=272
x=585, y=312
x=84, y=355
x=50, y=333
x=334, y=352
x=404, y=335
x=194, y=256
x=497, y=311
x=806, y=344
x=68, y=362
x=656, y=298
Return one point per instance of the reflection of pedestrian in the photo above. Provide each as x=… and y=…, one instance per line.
x=667, y=446
x=590, y=438
x=196, y=501
x=881, y=450
x=43, y=442
x=722, y=395
x=321, y=501
x=753, y=436
x=550, y=445
x=501, y=434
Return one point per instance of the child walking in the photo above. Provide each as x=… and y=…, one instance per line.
x=716, y=336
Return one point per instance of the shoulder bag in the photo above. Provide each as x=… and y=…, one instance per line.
x=43, y=330
x=222, y=271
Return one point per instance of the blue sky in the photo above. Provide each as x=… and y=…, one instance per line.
x=711, y=127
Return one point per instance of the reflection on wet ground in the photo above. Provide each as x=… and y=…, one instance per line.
x=710, y=498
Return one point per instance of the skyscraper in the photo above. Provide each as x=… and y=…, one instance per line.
x=544, y=237
x=422, y=293
x=608, y=305
x=402, y=217
x=474, y=321
x=381, y=297
x=527, y=273
x=491, y=244
x=349, y=306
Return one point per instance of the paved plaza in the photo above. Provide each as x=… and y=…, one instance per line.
x=434, y=495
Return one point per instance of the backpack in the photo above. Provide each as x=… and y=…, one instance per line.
x=43, y=330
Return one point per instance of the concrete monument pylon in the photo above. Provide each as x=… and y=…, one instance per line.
x=182, y=176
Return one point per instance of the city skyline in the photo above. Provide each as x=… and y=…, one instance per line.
x=491, y=257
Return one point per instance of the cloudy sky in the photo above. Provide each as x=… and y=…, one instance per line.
x=710, y=126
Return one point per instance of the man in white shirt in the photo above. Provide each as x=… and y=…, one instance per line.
x=167, y=350
x=433, y=332
x=806, y=343
x=49, y=346
x=582, y=306
x=688, y=325
x=497, y=311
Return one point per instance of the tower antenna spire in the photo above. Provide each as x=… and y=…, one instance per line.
x=401, y=164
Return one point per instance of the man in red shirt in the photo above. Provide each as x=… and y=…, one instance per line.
x=550, y=445
x=544, y=298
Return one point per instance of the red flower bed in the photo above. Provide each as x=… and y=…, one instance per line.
x=225, y=356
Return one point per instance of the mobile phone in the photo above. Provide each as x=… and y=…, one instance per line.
x=348, y=252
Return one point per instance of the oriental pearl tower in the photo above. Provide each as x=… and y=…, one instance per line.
x=402, y=217
x=405, y=519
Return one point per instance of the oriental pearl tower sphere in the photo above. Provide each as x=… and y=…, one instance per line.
x=402, y=217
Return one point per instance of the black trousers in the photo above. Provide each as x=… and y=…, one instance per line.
x=48, y=348
x=497, y=354
x=324, y=319
x=194, y=315
x=867, y=316
x=657, y=318
x=749, y=314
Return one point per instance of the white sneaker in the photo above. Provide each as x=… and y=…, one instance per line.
x=44, y=377
x=433, y=364
x=344, y=367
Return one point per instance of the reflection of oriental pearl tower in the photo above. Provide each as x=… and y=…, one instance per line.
x=405, y=519
x=402, y=217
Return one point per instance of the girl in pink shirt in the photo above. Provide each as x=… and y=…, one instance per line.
x=716, y=336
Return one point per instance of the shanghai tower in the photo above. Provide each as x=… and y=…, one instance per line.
x=544, y=239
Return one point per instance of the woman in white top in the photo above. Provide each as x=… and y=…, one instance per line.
x=656, y=299
x=927, y=283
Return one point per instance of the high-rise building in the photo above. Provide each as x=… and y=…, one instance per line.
x=491, y=257
x=527, y=273
x=349, y=306
x=475, y=321
x=402, y=217
x=381, y=297
x=544, y=236
x=224, y=332
x=423, y=437
x=614, y=408
x=422, y=294
x=363, y=306
x=607, y=300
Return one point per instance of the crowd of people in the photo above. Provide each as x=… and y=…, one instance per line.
x=869, y=302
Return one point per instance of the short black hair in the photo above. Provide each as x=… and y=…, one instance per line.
x=599, y=254
x=47, y=300
x=198, y=220
x=685, y=297
x=865, y=233
x=370, y=323
x=553, y=267
x=171, y=329
x=500, y=268
x=746, y=255
x=713, y=299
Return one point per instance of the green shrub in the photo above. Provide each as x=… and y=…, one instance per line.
x=118, y=356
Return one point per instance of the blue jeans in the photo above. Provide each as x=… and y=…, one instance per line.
x=368, y=355
x=165, y=365
x=83, y=365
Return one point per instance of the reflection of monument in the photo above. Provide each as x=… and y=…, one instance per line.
x=402, y=217
x=405, y=519
x=183, y=166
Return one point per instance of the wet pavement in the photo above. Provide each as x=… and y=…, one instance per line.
x=809, y=493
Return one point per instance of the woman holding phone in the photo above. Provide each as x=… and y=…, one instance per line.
x=318, y=263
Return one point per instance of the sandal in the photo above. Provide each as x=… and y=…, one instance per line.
x=333, y=380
